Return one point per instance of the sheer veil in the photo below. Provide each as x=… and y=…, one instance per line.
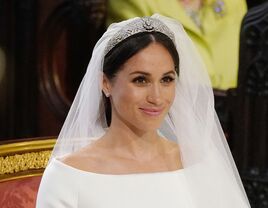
x=209, y=169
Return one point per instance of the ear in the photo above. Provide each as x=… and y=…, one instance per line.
x=106, y=86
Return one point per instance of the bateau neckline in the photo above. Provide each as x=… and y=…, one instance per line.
x=181, y=170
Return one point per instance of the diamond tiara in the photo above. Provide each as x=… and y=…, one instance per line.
x=140, y=25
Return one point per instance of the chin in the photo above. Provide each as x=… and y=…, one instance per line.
x=148, y=126
x=146, y=123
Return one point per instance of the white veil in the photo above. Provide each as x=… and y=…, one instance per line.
x=211, y=175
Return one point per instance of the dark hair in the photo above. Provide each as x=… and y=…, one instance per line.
x=132, y=45
x=118, y=55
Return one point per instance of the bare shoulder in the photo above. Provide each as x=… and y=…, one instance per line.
x=86, y=159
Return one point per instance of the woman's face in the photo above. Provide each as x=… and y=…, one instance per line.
x=144, y=88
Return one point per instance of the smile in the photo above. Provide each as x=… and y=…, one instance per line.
x=151, y=112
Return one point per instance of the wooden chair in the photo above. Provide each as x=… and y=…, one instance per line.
x=22, y=163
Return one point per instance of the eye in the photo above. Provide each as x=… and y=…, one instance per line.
x=140, y=80
x=167, y=79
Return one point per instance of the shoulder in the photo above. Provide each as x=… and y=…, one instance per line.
x=58, y=173
x=58, y=186
x=87, y=159
x=128, y=9
x=235, y=6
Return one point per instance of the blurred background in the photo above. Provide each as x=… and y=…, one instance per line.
x=45, y=46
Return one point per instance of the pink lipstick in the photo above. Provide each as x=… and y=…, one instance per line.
x=151, y=111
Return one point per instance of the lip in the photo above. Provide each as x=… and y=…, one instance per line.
x=151, y=111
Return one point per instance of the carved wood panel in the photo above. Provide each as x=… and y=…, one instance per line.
x=67, y=33
x=251, y=124
x=250, y=106
x=46, y=45
x=18, y=89
x=250, y=112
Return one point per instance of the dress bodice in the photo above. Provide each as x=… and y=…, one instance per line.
x=65, y=186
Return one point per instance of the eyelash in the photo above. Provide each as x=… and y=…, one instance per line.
x=168, y=79
x=140, y=80
x=143, y=80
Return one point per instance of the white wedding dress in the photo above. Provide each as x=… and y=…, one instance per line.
x=63, y=186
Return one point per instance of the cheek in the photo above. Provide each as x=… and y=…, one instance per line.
x=169, y=94
x=126, y=96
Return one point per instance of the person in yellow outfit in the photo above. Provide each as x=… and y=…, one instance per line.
x=213, y=25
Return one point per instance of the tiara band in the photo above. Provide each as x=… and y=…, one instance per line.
x=140, y=25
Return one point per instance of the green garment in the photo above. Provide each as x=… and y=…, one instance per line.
x=217, y=41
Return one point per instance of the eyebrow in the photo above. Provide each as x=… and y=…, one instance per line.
x=148, y=74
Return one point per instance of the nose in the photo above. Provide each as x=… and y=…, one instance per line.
x=155, y=95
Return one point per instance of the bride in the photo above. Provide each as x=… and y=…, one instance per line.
x=142, y=130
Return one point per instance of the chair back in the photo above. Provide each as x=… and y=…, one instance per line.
x=21, y=167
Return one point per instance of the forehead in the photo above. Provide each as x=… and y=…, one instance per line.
x=154, y=58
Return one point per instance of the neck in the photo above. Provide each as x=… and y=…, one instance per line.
x=131, y=142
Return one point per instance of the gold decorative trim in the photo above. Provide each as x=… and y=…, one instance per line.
x=24, y=162
x=26, y=146
x=4, y=178
x=24, y=159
